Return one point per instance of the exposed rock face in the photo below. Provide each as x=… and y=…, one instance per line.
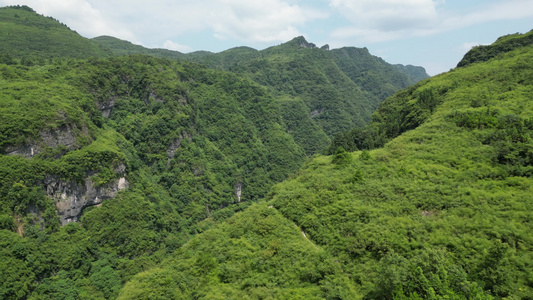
x=62, y=136
x=71, y=197
x=315, y=113
x=106, y=107
x=305, y=44
x=26, y=150
x=238, y=191
x=176, y=144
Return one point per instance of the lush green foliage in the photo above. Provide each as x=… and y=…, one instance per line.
x=34, y=39
x=256, y=254
x=340, y=88
x=187, y=136
x=502, y=45
x=373, y=75
x=323, y=93
x=441, y=211
x=404, y=111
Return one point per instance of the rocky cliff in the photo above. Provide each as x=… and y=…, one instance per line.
x=72, y=197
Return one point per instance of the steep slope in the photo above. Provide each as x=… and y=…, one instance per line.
x=373, y=75
x=416, y=73
x=502, y=45
x=441, y=210
x=323, y=93
x=257, y=254
x=340, y=88
x=143, y=151
x=26, y=34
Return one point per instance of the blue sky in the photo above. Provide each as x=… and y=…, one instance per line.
x=434, y=34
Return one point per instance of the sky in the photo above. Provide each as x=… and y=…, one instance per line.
x=434, y=34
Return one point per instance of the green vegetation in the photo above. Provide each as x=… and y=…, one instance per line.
x=256, y=254
x=323, y=93
x=196, y=146
x=502, y=45
x=431, y=200
x=34, y=39
x=442, y=210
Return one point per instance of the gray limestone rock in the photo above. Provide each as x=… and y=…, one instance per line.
x=71, y=197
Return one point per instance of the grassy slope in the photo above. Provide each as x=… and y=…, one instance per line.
x=456, y=192
x=257, y=254
x=24, y=33
x=440, y=212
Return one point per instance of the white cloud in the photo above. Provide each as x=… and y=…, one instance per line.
x=161, y=22
x=385, y=20
x=260, y=21
x=79, y=15
x=177, y=47
x=387, y=15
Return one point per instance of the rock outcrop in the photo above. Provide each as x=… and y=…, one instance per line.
x=238, y=191
x=72, y=197
x=62, y=136
x=176, y=144
x=106, y=107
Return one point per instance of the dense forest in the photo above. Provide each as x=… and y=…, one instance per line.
x=138, y=173
x=322, y=93
x=439, y=209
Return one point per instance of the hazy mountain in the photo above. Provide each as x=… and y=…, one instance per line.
x=121, y=47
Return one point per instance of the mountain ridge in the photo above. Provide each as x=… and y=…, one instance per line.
x=440, y=210
x=135, y=176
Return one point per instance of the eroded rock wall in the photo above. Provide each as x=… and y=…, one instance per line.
x=72, y=197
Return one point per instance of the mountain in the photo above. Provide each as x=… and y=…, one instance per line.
x=121, y=47
x=440, y=211
x=502, y=45
x=109, y=164
x=26, y=34
x=326, y=85
x=144, y=152
x=119, y=172
x=323, y=93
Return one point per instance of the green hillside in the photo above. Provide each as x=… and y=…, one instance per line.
x=323, y=93
x=340, y=88
x=502, y=45
x=257, y=254
x=24, y=34
x=144, y=177
x=171, y=147
x=441, y=211
x=121, y=47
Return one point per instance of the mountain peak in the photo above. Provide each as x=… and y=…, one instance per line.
x=300, y=41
